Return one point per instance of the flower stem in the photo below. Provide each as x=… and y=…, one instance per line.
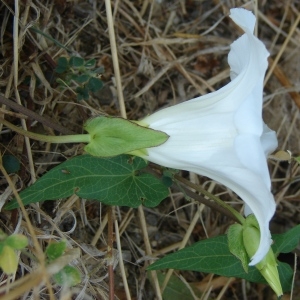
x=75, y=138
x=199, y=189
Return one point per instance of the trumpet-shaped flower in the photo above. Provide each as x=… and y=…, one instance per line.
x=222, y=135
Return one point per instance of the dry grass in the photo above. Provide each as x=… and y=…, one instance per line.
x=168, y=52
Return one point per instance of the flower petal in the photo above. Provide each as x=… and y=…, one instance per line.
x=222, y=135
x=243, y=18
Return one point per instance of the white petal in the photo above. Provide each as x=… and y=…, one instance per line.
x=268, y=140
x=252, y=157
x=222, y=135
x=243, y=18
x=248, y=117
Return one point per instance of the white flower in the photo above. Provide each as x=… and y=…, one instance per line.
x=222, y=135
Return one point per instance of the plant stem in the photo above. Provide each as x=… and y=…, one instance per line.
x=74, y=138
x=198, y=188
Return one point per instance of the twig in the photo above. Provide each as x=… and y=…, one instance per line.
x=285, y=82
x=288, y=38
x=99, y=231
x=149, y=250
x=28, y=281
x=218, y=204
x=16, y=72
x=182, y=245
x=114, y=53
x=225, y=287
x=121, y=263
x=34, y=116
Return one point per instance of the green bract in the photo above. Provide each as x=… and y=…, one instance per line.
x=268, y=265
x=236, y=244
x=114, y=136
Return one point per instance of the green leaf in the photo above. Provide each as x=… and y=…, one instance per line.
x=94, y=84
x=297, y=159
x=55, y=250
x=17, y=241
x=71, y=76
x=8, y=260
x=167, y=180
x=76, y=62
x=113, y=181
x=114, y=136
x=82, y=78
x=82, y=93
x=286, y=242
x=236, y=244
x=90, y=63
x=213, y=256
x=10, y=163
x=286, y=274
x=99, y=70
x=3, y=236
x=68, y=276
x=209, y=256
x=62, y=65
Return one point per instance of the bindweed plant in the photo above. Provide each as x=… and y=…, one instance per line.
x=220, y=135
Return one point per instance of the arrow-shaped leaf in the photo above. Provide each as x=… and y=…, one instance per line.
x=286, y=242
x=213, y=256
x=113, y=181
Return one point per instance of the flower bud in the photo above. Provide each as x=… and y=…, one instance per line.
x=268, y=265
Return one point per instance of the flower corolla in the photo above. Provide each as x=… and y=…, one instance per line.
x=222, y=135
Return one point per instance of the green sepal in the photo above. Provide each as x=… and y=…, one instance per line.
x=270, y=272
x=268, y=265
x=251, y=235
x=140, y=152
x=111, y=136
